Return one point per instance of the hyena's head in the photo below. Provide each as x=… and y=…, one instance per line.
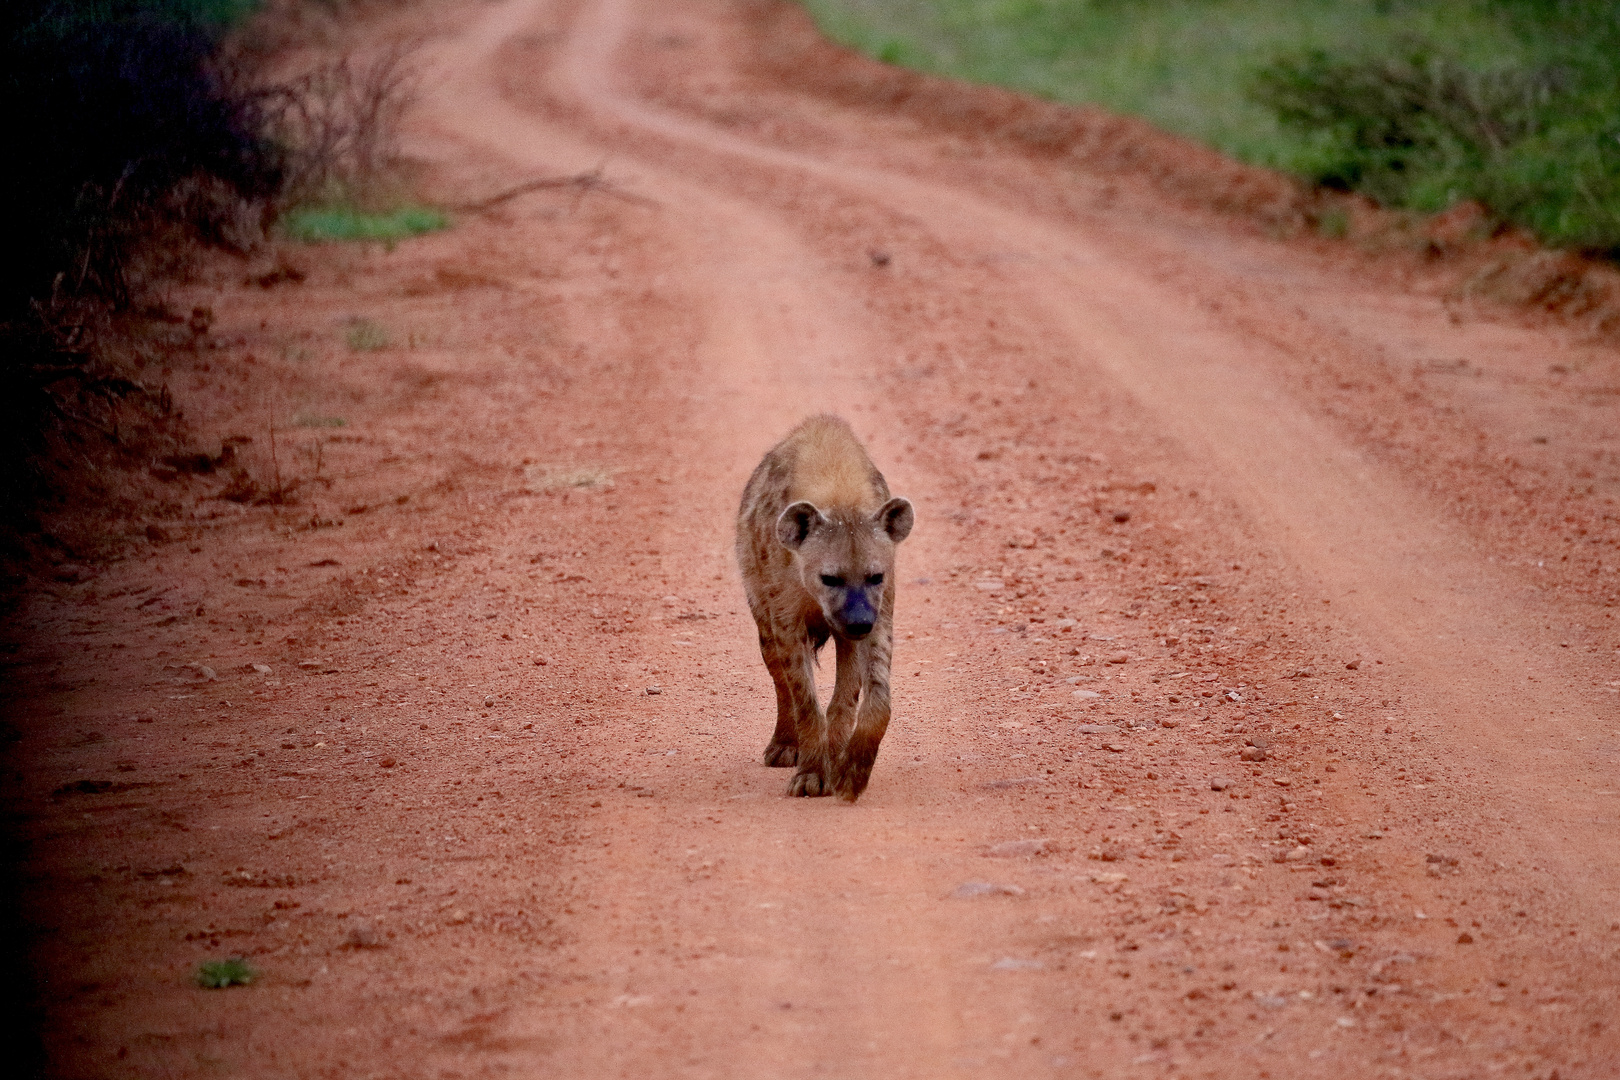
x=845, y=559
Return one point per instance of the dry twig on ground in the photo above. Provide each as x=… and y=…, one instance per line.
x=584, y=183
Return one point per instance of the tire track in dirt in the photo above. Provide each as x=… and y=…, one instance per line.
x=1326, y=512
x=1409, y=577
x=775, y=345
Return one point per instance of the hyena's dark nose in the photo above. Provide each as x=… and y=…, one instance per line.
x=857, y=630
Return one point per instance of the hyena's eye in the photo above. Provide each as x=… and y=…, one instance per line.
x=832, y=581
x=875, y=579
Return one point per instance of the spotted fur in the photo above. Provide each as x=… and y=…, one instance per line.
x=816, y=538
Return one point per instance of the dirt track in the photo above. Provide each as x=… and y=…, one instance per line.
x=495, y=807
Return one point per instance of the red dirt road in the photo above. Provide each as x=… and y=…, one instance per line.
x=458, y=743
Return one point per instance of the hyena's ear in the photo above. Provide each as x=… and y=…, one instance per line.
x=896, y=518
x=796, y=523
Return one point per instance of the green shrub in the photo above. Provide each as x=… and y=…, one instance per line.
x=1418, y=103
x=1423, y=130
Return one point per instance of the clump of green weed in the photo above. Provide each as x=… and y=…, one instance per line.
x=1333, y=223
x=366, y=336
x=324, y=224
x=307, y=419
x=219, y=974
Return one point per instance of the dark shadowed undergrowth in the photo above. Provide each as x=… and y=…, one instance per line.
x=144, y=135
x=132, y=144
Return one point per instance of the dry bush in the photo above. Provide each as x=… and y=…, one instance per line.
x=338, y=124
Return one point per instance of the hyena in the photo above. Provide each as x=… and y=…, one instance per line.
x=816, y=535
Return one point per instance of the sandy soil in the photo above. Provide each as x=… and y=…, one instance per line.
x=441, y=705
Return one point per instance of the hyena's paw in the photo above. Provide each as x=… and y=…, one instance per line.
x=850, y=785
x=809, y=783
x=781, y=755
x=853, y=773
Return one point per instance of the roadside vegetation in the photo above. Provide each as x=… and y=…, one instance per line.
x=1419, y=104
x=339, y=121
x=222, y=974
x=131, y=144
x=322, y=223
x=146, y=131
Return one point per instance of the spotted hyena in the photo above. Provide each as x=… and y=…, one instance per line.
x=816, y=535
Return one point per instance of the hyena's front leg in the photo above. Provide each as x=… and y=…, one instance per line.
x=792, y=669
x=871, y=717
x=846, y=693
x=783, y=749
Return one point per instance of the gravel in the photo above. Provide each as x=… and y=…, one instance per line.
x=969, y=890
x=361, y=933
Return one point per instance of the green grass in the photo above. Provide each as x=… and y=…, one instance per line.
x=324, y=224
x=219, y=974
x=211, y=15
x=1325, y=89
x=315, y=420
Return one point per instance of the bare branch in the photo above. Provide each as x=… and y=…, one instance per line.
x=584, y=183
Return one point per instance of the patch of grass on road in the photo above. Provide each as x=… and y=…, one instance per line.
x=364, y=335
x=1418, y=103
x=219, y=974
x=324, y=224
